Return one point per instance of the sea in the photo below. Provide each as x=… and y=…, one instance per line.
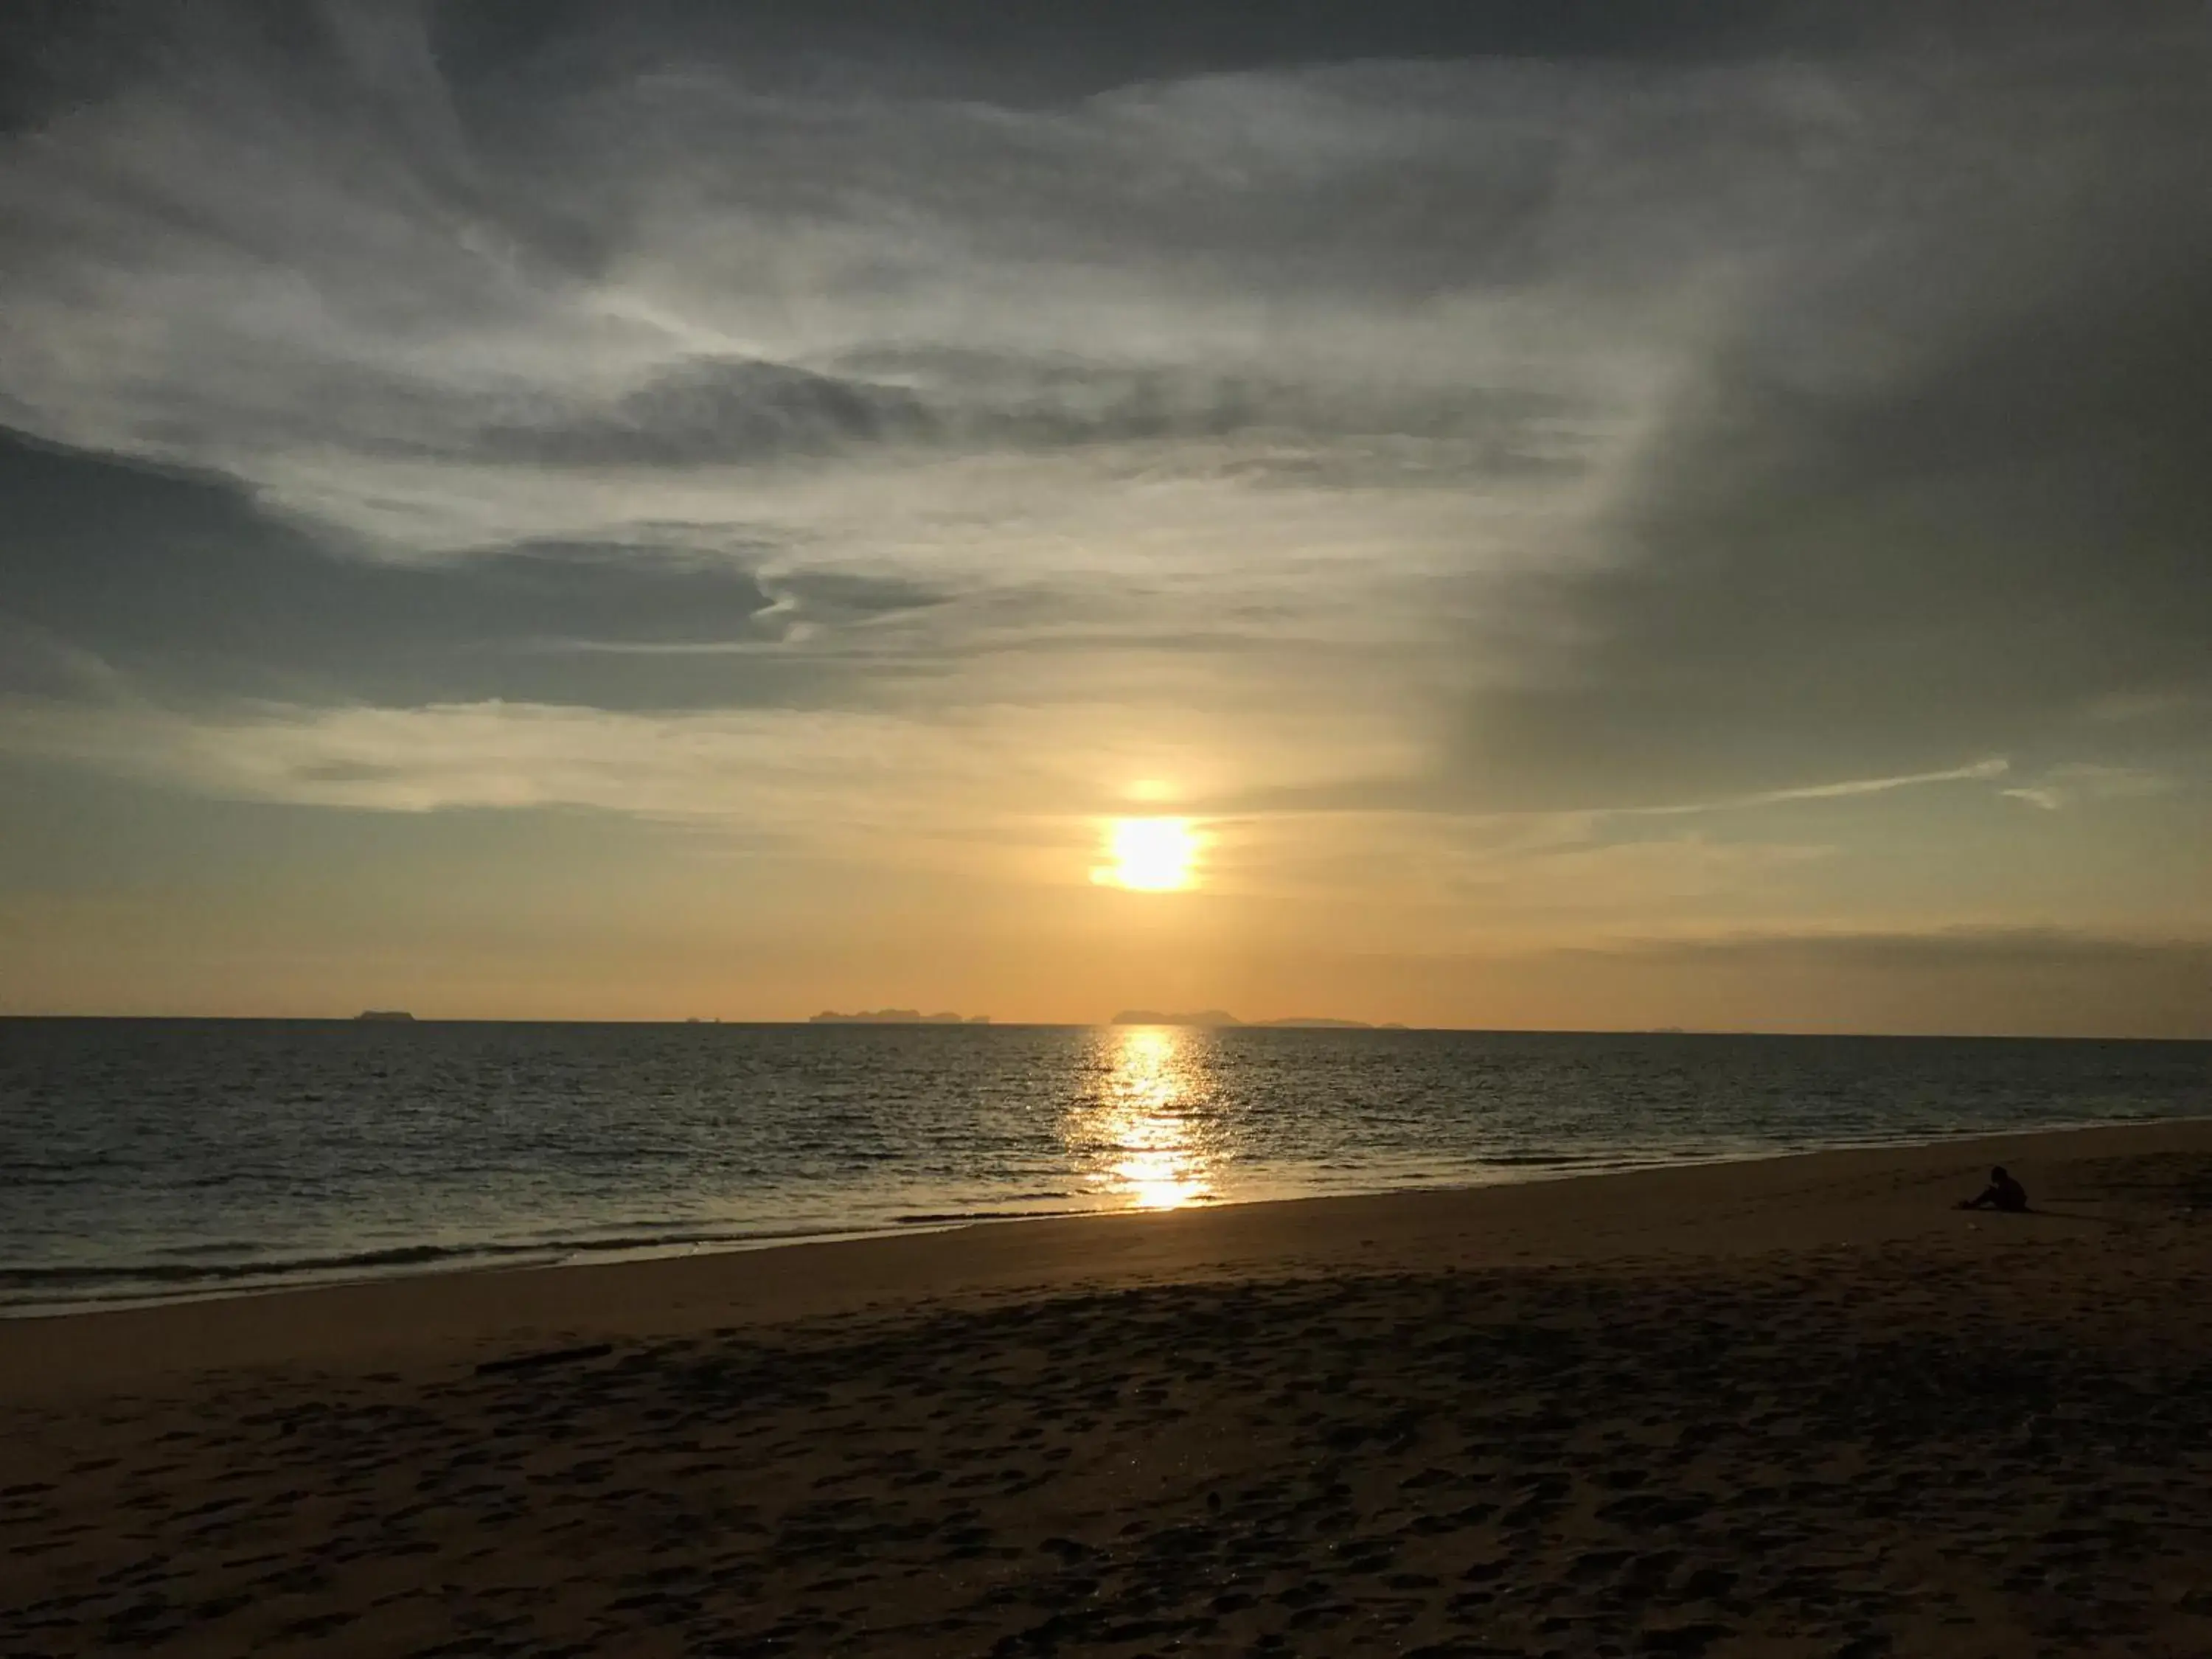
x=144, y=1160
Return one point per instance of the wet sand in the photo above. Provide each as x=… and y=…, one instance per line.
x=1793, y=1407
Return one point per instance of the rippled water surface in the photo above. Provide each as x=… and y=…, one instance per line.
x=152, y=1157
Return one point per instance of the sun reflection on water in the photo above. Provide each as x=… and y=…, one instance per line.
x=1146, y=1149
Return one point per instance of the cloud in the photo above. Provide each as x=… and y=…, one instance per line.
x=655, y=243
x=1460, y=798
x=711, y=412
x=1938, y=950
x=752, y=414
x=1845, y=789
x=2069, y=784
x=1649, y=411
x=2027, y=981
x=181, y=585
x=975, y=49
x=1939, y=490
x=444, y=293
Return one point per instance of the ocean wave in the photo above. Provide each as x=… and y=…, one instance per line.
x=185, y=1160
x=188, y=1272
x=44, y=1283
x=941, y=1218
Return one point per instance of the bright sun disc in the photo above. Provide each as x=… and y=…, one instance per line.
x=1151, y=855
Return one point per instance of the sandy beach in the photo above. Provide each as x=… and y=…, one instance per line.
x=1798, y=1406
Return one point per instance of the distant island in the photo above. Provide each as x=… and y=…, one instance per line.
x=389, y=1016
x=1152, y=1016
x=1219, y=1016
x=897, y=1017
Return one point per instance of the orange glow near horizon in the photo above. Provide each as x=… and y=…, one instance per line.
x=1150, y=856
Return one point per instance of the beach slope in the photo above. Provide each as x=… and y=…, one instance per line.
x=1799, y=1407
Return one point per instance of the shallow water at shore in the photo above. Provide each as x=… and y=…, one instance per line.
x=149, y=1159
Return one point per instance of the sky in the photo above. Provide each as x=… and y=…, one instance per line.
x=1572, y=515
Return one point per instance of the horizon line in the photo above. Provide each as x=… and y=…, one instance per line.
x=1348, y=1029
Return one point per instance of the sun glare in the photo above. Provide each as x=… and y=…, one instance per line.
x=1151, y=1152
x=1150, y=856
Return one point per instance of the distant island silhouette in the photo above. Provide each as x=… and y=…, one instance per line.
x=897, y=1017
x=1222, y=1017
x=390, y=1015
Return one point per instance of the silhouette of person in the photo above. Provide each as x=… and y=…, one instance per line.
x=2002, y=1193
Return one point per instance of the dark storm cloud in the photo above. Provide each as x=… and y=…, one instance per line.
x=163, y=583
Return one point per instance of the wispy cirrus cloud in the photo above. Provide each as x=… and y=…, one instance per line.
x=2072, y=784
x=1980, y=771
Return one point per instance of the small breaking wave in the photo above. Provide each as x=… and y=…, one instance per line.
x=24, y=1288
x=947, y=1217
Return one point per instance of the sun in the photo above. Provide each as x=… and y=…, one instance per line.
x=1150, y=856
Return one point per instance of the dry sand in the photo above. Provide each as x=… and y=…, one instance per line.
x=1792, y=1407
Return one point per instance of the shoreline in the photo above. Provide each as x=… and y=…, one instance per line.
x=1792, y=1407
x=1722, y=1208
x=485, y=1258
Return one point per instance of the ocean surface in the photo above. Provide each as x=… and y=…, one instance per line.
x=142, y=1159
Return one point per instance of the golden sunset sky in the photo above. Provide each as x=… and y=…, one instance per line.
x=576, y=512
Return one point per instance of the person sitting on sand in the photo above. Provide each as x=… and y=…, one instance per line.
x=2002, y=1193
